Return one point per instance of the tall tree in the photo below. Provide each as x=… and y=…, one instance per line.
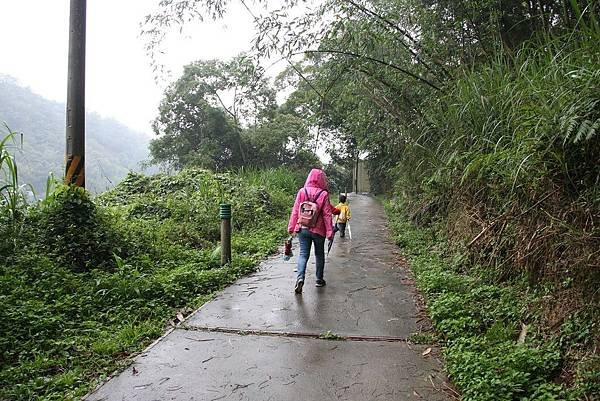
x=202, y=114
x=284, y=140
x=193, y=133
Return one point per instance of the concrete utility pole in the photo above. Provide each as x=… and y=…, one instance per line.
x=75, y=156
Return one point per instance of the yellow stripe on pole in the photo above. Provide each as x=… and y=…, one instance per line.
x=72, y=168
x=80, y=177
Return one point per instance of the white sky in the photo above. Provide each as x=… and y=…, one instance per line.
x=119, y=82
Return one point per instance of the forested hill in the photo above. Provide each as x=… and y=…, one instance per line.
x=112, y=149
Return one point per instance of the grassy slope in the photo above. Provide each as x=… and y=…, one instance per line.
x=479, y=324
x=73, y=312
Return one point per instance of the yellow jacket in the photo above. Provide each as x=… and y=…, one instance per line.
x=344, y=215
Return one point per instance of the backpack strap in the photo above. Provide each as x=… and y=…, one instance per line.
x=316, y=198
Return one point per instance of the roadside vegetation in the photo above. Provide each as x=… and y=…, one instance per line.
x=86, y=282
x=492, y=333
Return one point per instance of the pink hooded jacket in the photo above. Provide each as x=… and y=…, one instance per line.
x=315, y=182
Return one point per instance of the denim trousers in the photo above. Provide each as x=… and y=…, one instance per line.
x=306, y=239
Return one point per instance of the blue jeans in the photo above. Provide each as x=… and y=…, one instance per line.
x=306, y=239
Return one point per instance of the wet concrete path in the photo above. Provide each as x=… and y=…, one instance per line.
x=259, y=341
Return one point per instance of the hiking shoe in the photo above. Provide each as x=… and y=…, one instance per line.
x=298, y=287
x=321, y=283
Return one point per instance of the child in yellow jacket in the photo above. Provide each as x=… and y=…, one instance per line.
x=344, y=215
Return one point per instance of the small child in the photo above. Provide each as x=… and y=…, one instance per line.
x=344, y=215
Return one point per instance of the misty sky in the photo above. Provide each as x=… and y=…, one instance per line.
x=120, y=82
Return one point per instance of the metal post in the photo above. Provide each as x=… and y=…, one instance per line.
x=356, y=174
x=225, y=215
x=75, y=132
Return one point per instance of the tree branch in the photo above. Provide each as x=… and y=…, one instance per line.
x=223, y=104
x=404, y=33
x=360, y=56
x=256, y=21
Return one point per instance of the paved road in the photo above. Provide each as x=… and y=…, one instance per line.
x=259, y=341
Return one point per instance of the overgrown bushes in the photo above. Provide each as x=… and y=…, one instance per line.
x=513, y=148
x=84, y=282
x=69, y=227
x=492, y=341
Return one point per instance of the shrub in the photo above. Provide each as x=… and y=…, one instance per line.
x=502, y=371
x=69, y=226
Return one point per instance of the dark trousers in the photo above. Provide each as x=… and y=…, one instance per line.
x=342, y=228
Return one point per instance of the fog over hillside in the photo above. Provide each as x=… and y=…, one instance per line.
x=112, y=149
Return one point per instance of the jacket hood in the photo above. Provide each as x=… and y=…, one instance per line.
x=317, y=178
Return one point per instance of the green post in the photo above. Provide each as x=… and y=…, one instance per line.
x=225, y=216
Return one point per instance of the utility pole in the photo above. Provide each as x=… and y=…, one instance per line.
x=75, y=132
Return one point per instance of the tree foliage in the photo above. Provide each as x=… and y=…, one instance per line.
x=223, y=115
x=192, y=132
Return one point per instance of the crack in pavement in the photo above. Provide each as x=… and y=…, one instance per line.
x=291, y=334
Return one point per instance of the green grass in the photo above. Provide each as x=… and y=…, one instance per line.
x=479, y=324
x=328, y=335
x=89, y=282
x=11, y=192
x=515, y=142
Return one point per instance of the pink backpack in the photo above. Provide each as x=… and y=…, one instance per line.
x=309, y=210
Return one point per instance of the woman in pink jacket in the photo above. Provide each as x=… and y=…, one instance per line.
x=316, y=187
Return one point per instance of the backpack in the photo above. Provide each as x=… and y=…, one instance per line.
x=309, y=210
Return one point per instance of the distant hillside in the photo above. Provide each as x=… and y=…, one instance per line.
x=111, y=148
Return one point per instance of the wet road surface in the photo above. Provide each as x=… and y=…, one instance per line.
x=259, y=341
